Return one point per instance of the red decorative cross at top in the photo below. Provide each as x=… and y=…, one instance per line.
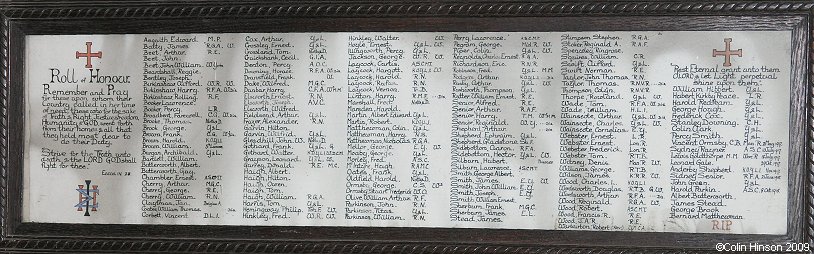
x=87, y=55
x=727, y=52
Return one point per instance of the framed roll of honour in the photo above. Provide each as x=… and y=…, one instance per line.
x=198, y=126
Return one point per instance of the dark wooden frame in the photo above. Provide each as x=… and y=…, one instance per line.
x=20, y=18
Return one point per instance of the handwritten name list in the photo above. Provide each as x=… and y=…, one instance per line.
x=600, y=131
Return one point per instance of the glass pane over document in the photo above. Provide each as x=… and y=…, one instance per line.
x=600, y=131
